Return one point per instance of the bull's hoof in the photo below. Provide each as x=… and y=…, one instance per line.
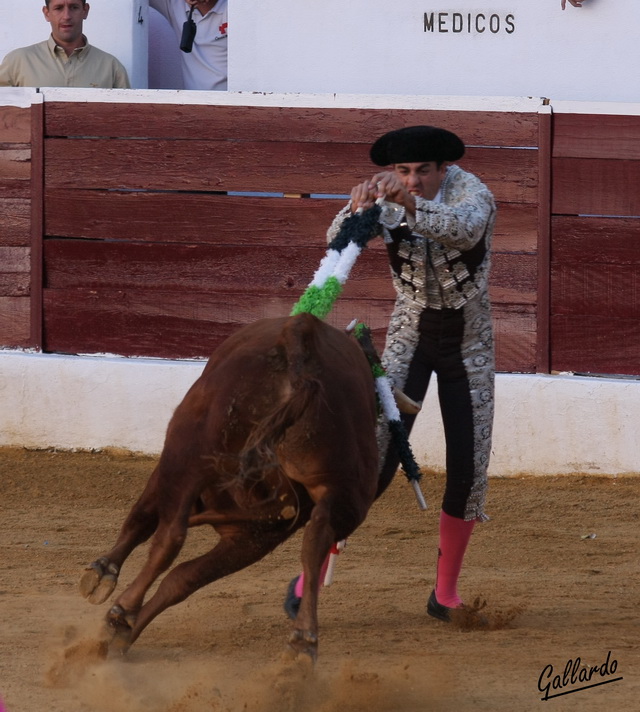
x=99, y=580
x=302, y=645
x=121, y=626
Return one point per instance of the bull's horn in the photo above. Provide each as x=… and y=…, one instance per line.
x=406, y=404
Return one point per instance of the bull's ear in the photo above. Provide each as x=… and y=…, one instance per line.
x=406, y=404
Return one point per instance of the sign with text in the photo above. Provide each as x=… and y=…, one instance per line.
x=465, y=47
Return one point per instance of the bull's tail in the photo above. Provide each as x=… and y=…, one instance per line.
x=293, y=355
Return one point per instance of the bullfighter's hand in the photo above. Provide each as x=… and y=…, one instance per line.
x=388, y=186
x=575, y=3
x=363, y=196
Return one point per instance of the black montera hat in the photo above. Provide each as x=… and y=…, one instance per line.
x=415, y=144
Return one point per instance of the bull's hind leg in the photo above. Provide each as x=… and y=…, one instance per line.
x=101, y=576
x=237, y=548
x=318, y=537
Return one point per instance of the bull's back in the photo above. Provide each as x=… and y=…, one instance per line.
x=252, y=370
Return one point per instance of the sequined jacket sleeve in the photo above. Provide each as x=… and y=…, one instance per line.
x=458, y=222
x=461, y=219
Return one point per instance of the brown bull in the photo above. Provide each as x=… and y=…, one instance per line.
x=278, y=432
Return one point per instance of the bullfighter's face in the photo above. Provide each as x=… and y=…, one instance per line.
x=421, y=179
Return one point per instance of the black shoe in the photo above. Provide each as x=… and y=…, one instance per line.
x=437, y=610
x=291, y=601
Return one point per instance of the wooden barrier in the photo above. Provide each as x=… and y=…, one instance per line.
x=157, y=258
x=18, y=213
x=167, y=226
x=595, y=269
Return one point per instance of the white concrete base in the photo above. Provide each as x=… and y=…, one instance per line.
x=544, y=424
x=88, y=402
x=549, y=425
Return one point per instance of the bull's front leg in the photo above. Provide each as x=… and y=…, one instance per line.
x=318, y=537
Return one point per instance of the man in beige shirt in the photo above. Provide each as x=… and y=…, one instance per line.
x=66, y=59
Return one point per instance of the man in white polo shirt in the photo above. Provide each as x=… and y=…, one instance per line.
x=205, y=67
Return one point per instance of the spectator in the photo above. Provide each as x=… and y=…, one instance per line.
x=66, y=59
x=205, y=67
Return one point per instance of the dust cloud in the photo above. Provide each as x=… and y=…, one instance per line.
x=105, y=683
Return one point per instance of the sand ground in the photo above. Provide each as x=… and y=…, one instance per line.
x=559, y=603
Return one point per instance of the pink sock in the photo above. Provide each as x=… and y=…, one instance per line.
x=300, y=582
x=454, y=538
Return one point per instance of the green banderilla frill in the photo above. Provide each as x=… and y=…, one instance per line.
x=318, y=300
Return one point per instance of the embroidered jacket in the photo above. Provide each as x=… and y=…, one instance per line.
x=442, y=260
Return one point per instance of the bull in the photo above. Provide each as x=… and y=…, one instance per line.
x=278, y=433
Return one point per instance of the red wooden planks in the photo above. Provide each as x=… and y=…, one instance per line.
x=14, y=284
x=15, y=225
x=595, y=267
x=595, y=285
x=14, y=321
x=190, y=325
x=596, y=240
x=284, y=167
x=15, y=222
x=596, y=136
x=603, y=290
x=168, y=324
x=222, y=219
x=255, y=123
x=176, y=251
x=188, y=217
x=516, y=228
x=283, y=270
x=513, y=278
x=595, y=187
x=515, y=333
x=595, y=344
x=14, y=259
x=15, y=124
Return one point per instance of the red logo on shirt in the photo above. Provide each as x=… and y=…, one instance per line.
x=223, y=28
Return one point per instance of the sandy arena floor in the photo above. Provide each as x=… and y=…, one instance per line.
x=555, y=597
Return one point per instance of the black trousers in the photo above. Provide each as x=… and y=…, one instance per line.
x=440, y=350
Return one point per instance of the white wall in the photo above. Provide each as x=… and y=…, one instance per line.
x=550, y=424
x=165, y=70
x=377, y=46
x=380, y=47
x=116, y=26
x=544, y=424
x=89, y=402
